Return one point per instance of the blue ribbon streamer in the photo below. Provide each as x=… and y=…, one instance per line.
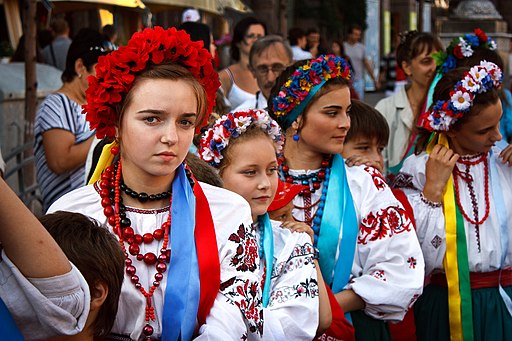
x=8, y=328
x=268, y=253
x=339, y=212
x=501, y=210
x=295, y=112
x=181, y=300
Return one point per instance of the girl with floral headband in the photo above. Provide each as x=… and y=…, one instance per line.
x=461, y=191
x=369, y=254
x=184, y=274
x=243, y=147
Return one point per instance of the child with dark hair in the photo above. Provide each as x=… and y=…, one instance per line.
x=99, y=258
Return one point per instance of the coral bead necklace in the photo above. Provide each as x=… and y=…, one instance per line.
x=111, y=194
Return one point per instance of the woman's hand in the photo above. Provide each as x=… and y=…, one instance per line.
x=297, y=226
x=506, y=155
x=358, y=160
x=438, y=170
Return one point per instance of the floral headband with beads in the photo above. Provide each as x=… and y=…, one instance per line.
x=232, y=125
x=479, y=79
x=462, y=47
x=303, y=84
x=116, y=72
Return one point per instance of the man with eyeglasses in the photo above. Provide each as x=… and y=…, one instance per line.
x=268, y=57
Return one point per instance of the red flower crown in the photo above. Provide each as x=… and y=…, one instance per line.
x=116, y=72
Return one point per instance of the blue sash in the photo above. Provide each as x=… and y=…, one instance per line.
x=182, y=292
x=8, y=328
x=501, y=210
x=268, y=253
x=339, y=212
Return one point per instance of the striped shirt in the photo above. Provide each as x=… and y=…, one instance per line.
x=57, y=111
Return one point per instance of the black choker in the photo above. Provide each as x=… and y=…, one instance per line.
x=142, y=196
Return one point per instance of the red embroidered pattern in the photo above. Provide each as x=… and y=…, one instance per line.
x=378, y=179
x=380, y=274
x=246, y=251
x=412, y=262
x=385, y=223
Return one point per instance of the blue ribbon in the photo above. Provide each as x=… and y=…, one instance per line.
x=268, y=253
x=430, y=94
x=181, y=300
x=501, y=210
x=295, y=112
x=339, y=212
x=8, y=328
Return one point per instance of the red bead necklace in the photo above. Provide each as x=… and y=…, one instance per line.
x=469, y=180
x=111, y=179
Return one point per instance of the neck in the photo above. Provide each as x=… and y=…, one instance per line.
x=140, y=181
x=416, y=95
x=298, y=156
x=73, y=91
x=244, y=61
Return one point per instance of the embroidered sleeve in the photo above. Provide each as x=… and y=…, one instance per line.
x=293, y=310
x=388, y=267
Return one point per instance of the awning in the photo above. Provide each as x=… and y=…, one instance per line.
x=120, y=3
x=211, y=6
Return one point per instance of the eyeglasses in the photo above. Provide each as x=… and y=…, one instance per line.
x=253, y=36
x=262, y=70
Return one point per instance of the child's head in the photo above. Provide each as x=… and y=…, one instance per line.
x=368, y=134
x=243, y=146
x=466, y=108
x=281, y=207
x=98, y=256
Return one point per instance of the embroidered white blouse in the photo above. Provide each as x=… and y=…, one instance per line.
x=388, y=268
x=430, y=221
x=236, y=312
x=293, y=309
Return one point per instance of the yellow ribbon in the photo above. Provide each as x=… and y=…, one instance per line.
x=105, y=160
x=450, y=262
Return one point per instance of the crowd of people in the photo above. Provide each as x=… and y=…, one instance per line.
x=267, y=200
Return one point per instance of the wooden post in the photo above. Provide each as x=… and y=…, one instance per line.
x=29, y=29
x=421, y=6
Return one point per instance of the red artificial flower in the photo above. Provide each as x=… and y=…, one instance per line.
x=481, y=35
x=457, y=52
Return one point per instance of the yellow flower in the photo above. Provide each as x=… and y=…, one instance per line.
x=306, y=67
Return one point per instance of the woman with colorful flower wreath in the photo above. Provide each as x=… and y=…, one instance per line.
x=244, y=146
x=460, y=190
x=369, y=254
x=184, y=276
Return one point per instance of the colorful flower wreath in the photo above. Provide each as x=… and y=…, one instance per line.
x=480, y=78
x=462, y=47
x=116, y=72
x=232, y=125
x=297, y=88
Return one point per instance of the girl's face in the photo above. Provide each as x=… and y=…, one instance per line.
x=252, y=173
x=479, y=133
x=157, y=127
x=327, y=123
x=254, y=32
x=421, y=69
x=336, y=49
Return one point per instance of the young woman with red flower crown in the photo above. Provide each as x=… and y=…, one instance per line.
x=369, y=254
x=185, y=276
x=244, y=146
x=460, y=191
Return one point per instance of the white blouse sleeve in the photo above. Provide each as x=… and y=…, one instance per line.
x=388, y=268
x=237, y=311
x=430, y=224
x=44, y=307
x=293, y=309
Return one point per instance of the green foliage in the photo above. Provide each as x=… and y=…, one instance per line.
x=6, y=49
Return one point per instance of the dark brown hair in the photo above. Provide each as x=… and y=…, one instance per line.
x=97, y=255
x=239, y=33
x=367, y=121
x=442, y=92
x=413, y=43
